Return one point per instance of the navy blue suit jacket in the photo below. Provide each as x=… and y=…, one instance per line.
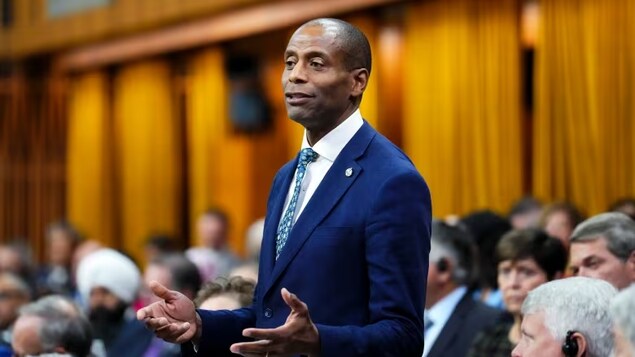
x=357, y=256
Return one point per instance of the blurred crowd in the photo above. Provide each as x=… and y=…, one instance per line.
x=542, y=278
x=83, y=300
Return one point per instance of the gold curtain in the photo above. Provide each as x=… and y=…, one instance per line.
x=89, y=171
x=220, y=159
x=585, y=120
x=148, y=157
x=462, y=110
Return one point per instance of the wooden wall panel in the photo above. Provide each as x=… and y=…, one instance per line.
x=32, y=158
x=34, y=31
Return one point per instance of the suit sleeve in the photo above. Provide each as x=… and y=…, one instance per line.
x=221, y=329
x=397, y=248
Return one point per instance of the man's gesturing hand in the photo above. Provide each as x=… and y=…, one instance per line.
x=174, y=318
x=298, y=335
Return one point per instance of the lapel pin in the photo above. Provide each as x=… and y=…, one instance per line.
x=349, y=172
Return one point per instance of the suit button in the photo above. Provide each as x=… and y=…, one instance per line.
x=268, y=313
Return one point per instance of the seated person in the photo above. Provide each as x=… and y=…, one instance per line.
x=212, y=255
x=109, y=283
x=526, y=259
x=225, y=294
x=567, y=317
x=624, y=205
x=452, y=317
x=622, y=313
x=176, y=272
x=487, y=228
x=55, y=276
x=52, y=326
x=525, y=213
x=559, y=219
x=603, y=247
x=14, y=293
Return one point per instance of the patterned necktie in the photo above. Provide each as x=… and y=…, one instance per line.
x=307, y=156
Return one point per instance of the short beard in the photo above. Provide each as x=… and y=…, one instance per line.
x=107, y=322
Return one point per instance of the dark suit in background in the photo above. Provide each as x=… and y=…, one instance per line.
x=468, y=319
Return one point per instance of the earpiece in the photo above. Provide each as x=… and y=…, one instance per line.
x=570, y=345
x=442, y=265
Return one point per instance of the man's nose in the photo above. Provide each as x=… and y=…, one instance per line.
x=297, y=74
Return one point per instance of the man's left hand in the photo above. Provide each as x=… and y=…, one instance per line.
x=298, y=335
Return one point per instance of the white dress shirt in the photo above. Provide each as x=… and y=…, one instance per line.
x=439, y=314
x=328, y=148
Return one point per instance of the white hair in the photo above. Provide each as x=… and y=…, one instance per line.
x=575, y=304
x=623, y=313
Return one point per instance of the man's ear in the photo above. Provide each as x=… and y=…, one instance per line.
x=444, y=270
x=630, y=265
x=583, y=348
x=360, y=81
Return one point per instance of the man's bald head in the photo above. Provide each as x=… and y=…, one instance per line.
x=351, y=40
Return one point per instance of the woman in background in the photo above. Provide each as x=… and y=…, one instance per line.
x=525, y=259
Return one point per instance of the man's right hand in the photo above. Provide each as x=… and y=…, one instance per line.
x=174, y=318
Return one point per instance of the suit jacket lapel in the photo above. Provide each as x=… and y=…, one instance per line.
x=328, y=193
x=453, y=325
x=268, y=258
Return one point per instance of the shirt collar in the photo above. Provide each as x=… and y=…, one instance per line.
x=335, y=140
x=442, y=310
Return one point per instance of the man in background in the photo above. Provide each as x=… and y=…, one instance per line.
x=56, y=276
x=525, y=213
x=108, y=283
x=567, y=317
x=52, y=326
x=175, y=272
x=14, y=293
x=603, y=247
x=212, y=256
x=452, y=316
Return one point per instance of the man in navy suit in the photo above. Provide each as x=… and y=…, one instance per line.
x=344, y=256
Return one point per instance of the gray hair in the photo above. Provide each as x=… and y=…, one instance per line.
x=63, y=325
x=575, y=304
x=616, y=228
x=454, y=244
x=622, y=308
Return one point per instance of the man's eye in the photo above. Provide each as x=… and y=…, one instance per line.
x=317, y=64
x=592, y=264
x=289, y=63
